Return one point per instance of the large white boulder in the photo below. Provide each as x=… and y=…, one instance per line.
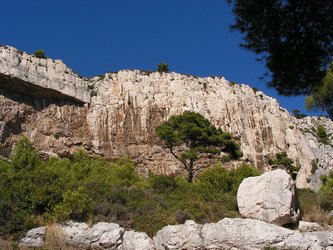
x=269, y=197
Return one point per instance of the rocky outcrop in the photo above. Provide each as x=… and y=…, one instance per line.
x=34, y=238
x=269, y=197
x=225, y=234
x=40, y=77
x=120, y=117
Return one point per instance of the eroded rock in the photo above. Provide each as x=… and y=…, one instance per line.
x=185, y=236
x=34, y=238
x=136, y=241
x=237, y=233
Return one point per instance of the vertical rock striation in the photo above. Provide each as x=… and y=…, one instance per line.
x=116, y=115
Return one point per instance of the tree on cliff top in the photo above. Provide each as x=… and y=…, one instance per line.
x=293, y=37
x=40, y=53
x=190, y=135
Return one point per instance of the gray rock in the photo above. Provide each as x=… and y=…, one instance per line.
x=269, y=197
x=185, y=236
x=253, y=234
x=34, y=238
x=226, y=234
x=136, y=241
x=305, y=226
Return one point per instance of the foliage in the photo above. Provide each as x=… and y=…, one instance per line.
x=40, y=53
x=326, y=193
x=293, y=38
x=321, y=98
x=24, y=156
x=190, y=135
x=163, y=67
x=75, y=205
x=310, y=206
x=83, y=187
x=322, y=135
x=314, y=164
x=282, y=161
x=297, y=113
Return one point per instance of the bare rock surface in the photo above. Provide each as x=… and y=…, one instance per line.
x=269, y=197
x=254, y=234
x=228, y=233
x=31, y=71
x=115, y=114
x=136, y=241
x=34, y=238
x=305, y=226
x=185, y=236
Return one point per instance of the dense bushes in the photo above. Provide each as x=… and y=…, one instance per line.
x=315, y=206
x=35, y=192
x=282, y=161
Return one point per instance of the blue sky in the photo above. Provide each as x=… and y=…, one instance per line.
x=94, y=37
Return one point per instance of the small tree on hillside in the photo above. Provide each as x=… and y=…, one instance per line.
x=40, y=53
x=190, y=135
x=163, y=67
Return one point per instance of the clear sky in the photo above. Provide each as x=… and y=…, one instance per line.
x=95, y=37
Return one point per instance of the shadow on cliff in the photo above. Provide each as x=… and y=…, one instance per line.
x=35, y=96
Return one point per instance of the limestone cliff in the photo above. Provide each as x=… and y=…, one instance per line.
x=116, y=114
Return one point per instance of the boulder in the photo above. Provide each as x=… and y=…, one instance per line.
x=185, y=236
x=253, y=234
x=34, y=238
x=228, y=233
x=269, y=197
x=136, y=241
x=305, y=226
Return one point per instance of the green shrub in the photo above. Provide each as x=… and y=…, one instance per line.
x=34, y=192
x=326, y=193
x=322, y=135
x=297, y=113
x=163, y=67
x=24, y=156
x=315, y=166
x=40, y=53
x=162, y=183
x=76, y=205
x=282, y=161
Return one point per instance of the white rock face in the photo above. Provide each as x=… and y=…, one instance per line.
x=269, y=197
x=45, y=73
x=185, y=236
x=128, y=105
